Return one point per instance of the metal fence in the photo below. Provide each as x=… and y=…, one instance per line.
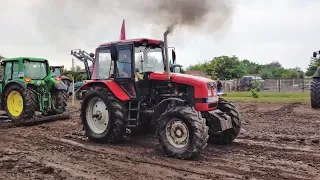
x=273, y=85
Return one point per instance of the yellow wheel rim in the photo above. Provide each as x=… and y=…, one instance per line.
x=15, y=103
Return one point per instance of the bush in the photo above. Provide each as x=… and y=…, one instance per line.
x=255, y=88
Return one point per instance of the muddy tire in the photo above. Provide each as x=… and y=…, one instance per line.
x=60, y=98
x=188, y=125
x=315, y=93
x=103, y=116
x=226, y=137
x=28, y=106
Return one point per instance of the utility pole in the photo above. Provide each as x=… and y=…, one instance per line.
x=73, y=64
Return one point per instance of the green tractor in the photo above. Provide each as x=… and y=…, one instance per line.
x=28, y=87
x=315, y=87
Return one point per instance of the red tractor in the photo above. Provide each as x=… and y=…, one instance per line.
x=132, y=88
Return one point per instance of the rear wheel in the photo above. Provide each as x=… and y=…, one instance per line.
x=315, y=93
x=227, y=136
x=20, y=103
x=182, y=132
x=103, y=116
x=59, y=98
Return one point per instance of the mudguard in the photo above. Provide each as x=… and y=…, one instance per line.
x=60, y=86
x=24, y=85
x=161, y=108
x=117, y=91
x=317, y=74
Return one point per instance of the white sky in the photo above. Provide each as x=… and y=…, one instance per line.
x=261, y=31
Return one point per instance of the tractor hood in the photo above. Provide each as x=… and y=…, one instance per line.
x=196, y=81
x=179, y=76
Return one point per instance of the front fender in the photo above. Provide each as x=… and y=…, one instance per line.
x=116, y=90
x=60, y=86
x=161, y=108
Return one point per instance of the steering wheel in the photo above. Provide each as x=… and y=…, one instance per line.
x=124, y=75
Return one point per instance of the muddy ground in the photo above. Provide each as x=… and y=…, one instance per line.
x=277, y=142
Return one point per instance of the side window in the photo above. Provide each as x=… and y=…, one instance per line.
x=8, y=71
x=124, y=65
x=15, y=71
x=104, y=65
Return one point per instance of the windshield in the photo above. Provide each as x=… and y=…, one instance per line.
x=148, y=59
x=35, y=70
x=102, y=64
x=55, y=72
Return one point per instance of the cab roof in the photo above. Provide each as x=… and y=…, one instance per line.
x=138, y=41
x=22, y=58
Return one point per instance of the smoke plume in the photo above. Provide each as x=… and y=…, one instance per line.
x=84, y=22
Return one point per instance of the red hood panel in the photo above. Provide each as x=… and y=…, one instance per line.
x=181, y=78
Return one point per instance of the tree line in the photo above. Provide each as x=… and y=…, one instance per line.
x=231, y=67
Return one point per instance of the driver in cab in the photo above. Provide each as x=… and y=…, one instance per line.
x=124, y=64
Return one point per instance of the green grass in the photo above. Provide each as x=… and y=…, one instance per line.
x=276, y=97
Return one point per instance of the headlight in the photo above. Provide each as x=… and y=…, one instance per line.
x=209, y=93
x=215, y=92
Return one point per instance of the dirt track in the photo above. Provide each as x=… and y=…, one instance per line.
x=278, y=142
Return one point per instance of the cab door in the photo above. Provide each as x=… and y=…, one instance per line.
x=124, y=70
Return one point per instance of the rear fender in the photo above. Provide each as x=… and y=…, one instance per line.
x=317, y=74
x=60, y=86
x=23, y=85
x=161, y=108
x=117, y=91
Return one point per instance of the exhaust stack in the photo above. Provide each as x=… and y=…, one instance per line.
x=166, y=53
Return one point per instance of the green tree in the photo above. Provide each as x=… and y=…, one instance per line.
x=226, y=67
x=313, y=65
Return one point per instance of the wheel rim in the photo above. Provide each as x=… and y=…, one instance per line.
x=97, y=115
x=15, y=103
x=177, y=133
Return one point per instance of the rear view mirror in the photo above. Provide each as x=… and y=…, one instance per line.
x=91, y=55
x=173, y=56
x=314, y=54
x=114, y=51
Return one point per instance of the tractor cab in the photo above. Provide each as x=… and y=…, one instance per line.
x=56, y=72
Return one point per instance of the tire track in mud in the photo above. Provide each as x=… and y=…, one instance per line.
x=115, y=157
x=212, y=164
x=257, y=153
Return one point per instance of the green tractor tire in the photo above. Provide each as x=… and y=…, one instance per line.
x=59, y=98
x=315, y=93
x=20, y=103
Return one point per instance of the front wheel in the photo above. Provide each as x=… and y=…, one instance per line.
x=227, y=136
x=182, y=132
x=103, y=116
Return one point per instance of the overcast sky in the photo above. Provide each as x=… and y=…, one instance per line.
x=261, y=31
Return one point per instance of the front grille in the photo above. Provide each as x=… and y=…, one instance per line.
x=212, y=105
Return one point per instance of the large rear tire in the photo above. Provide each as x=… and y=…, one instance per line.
x=20, y=103
x=182, y=132
x=315, y=93
x=103, y=116
x=227, y=136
